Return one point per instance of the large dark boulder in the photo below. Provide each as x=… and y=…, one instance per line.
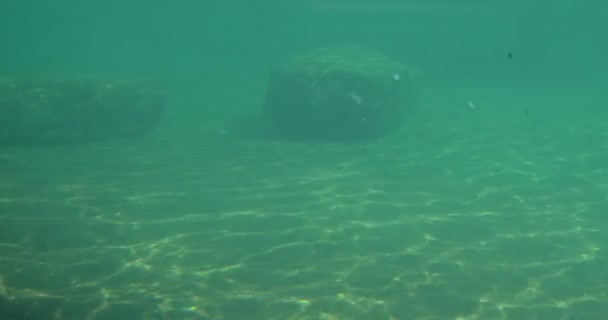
x=338, y=93
x=58, y=110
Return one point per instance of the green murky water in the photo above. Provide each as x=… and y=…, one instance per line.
x=489, y=203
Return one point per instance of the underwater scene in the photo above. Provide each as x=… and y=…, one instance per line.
x=303, y=160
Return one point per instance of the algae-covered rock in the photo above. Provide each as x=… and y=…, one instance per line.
x=338, y=93
x=36, y=110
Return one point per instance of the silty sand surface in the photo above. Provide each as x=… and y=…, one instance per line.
x=466, y=215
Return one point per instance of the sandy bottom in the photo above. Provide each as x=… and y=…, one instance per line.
x=497, y=212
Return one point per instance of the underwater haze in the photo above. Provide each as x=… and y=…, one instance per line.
x=489, y=202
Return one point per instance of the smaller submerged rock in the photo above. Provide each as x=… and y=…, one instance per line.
x=58, y=110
